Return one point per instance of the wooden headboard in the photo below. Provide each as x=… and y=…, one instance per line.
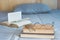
x=8, y=5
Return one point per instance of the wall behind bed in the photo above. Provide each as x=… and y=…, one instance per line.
x=51, y=3
x=8, y=5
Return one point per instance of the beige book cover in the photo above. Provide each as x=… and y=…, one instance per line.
x=39, y=28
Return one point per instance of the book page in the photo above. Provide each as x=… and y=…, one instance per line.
x=22, y=22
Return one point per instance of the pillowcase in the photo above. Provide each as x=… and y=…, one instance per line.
x=32, y=8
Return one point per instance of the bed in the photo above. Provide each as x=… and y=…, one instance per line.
x=42, y=18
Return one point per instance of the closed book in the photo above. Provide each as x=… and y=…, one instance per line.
x=39, y=29
x=36, y=36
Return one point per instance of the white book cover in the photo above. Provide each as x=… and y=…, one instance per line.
x=14, y=16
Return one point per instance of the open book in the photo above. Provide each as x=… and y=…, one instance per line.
x=16, y=24
x=15, y=20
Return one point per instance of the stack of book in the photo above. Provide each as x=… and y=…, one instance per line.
x=38, y=31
